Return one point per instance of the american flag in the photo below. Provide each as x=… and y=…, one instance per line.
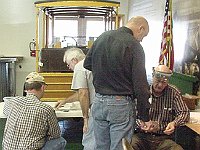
x=167, y=48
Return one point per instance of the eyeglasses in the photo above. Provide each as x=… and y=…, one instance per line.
x=69, y=65
x=161, y=80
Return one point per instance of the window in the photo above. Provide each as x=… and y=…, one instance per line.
x=76, y=31
x=94, y=28
x=64, y=31
x=72, y=31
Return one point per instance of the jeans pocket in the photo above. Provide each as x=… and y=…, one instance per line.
x=97, y=111
x=119, y=111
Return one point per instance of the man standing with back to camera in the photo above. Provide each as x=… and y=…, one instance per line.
x=117, y=62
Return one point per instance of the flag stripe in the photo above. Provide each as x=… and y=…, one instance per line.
x=167, y=49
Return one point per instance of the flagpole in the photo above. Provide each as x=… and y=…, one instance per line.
x=170, y=35
x=170, y=40
x=167, y=49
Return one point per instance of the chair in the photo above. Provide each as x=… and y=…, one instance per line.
x=126, y=145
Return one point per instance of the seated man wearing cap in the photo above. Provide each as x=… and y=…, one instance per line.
x=30, y=123
x=167, y=111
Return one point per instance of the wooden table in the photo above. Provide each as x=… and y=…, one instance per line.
x=194, y=123
x=73, y=110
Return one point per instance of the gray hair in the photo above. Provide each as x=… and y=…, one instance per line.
x=73, y=53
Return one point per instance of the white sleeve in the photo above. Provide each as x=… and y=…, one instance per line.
x=79, y=80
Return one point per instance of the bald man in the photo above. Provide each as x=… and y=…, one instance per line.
x=117, y=61
x=167, y=111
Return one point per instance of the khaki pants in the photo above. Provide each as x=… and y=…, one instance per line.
x=146, y=141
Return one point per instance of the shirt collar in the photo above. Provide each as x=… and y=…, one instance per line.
x=126, y=30
x=32, y=95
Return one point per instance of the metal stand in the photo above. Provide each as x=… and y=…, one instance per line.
x=8, y=76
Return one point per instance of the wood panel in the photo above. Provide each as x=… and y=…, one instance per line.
x=52, y=94
x=59, y=86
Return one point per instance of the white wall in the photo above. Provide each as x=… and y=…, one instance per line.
x=17, y=29
x=153, y=11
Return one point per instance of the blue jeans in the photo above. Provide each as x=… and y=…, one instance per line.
x=55, y=144
x=114, y=119
x=88, y=138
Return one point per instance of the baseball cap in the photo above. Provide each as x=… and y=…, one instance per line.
x=34, y=77
x=162, y=71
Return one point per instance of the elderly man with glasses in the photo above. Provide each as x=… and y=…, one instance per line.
x=82, y=84
x=167, y=111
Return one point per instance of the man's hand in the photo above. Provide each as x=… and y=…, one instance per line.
x=70, y=99
x=85, y=125
x=150, y=126
x=170, y=128
x=59, y=104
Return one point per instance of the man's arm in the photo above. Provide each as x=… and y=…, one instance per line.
x=182, y=113
x=140, y=84
x=80, y=83
x=7, y=107
x=53, y=131
x=70, y=99
x=84, y=102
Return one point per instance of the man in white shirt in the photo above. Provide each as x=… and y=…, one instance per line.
x=82, y=84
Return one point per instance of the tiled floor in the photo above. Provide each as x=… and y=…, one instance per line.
x=71, y=130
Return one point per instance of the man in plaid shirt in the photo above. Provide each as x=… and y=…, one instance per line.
x=31, y=124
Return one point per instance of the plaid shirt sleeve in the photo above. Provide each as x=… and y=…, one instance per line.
x=7, y=108
x=54, y=129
